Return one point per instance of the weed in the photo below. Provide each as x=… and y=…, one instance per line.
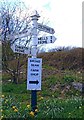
x=68, y=78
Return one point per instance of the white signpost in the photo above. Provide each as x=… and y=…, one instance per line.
x=45, y=28
x=34, y=64
x=20, y=49
x=46, y=40
x=34, y=74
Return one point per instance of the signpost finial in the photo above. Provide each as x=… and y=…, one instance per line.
x=35, y=15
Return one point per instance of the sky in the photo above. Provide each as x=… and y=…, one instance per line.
x=65, y=16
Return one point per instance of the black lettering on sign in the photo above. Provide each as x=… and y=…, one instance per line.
x=34, y=74
x=34, y=70
x=35, y=65
x=39, y=42
x=38, y=61
x=51, y=41
x=31, y=60
x=44, y=41
x=32, y=64
x=18, y=50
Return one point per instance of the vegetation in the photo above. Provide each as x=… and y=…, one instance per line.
x=58, y=97
x=12, y=22
x=47, y=108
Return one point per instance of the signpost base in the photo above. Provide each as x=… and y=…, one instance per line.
x=34, y=100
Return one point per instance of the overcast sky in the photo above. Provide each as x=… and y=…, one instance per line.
x=65, y=16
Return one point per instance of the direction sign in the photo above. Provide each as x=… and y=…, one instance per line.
x=20, y=49
x=34, y=74
x=25, y=34
x=45, y=28
x=21, y=35
x=46, y=40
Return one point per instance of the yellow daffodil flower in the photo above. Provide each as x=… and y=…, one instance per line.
x=15, y=110
x=28, y=106
x=1, y=110
x=1, y=117
x=13, y=107
x=41, y=98
x=2, y=96
x=36, y=110
x=31, y=113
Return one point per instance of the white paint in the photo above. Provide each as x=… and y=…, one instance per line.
x=45, y=28
x=34, y=73
x=20, y=49
x=46, y=40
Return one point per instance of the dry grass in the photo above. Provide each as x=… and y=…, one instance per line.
x=64, y=60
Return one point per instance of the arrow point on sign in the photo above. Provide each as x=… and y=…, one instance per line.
x=37, y=81
x=34, y=82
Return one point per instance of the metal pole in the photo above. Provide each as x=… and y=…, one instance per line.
x=34, y=17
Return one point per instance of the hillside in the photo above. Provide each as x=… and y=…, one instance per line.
x=53, y=63
x=64, y=60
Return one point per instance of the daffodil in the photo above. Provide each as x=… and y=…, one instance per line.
x=13, y=107
x=79, y=107
x=15, y=110
x=2, y=96
x=41, y=98
x=36, y=110
x=47, y=107
x=31, y=113
x=1, y=110
x=1, y=117
x=28, y=106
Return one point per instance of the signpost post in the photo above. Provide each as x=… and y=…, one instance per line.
x=34, y=17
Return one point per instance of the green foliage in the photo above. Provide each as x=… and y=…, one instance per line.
x=47, y=108
x=55, y=108
x=5, y=77
x=68, y=78
x=14, y=88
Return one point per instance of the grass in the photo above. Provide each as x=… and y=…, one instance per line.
x=47, y=108
x=54, y=101
x=57, y=99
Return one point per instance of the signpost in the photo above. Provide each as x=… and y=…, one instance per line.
x=21, y=35
x=46, y=40
x=34, y=74
x=45, y=28
x=25, y=34
x=34, y=38
x=20, y=49
x=34, y=63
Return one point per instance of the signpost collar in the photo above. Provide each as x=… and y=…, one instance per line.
x=35, y=15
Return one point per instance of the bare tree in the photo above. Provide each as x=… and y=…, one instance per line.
x=14, y=19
